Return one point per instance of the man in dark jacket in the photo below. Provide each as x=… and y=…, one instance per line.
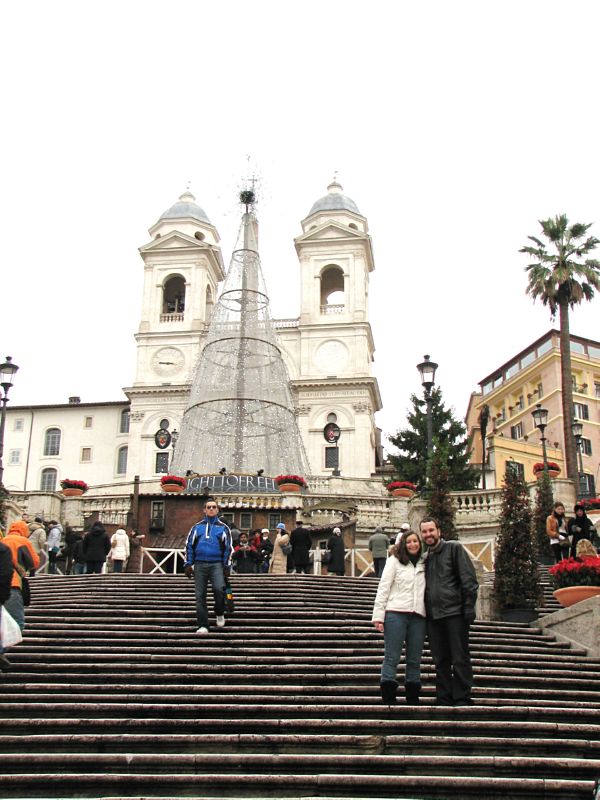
x=450, y=597
x=208, y=558
x=96, y=546
x=245, y=558
x=301, y=545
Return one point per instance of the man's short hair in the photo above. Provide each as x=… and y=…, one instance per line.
x=210, y=500
x=430, y=519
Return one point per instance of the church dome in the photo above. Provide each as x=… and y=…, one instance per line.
x=334, y=200
x=186, y=207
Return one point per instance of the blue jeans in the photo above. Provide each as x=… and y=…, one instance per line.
x=79, y=569
x=400, y=627
x=205, y=571
x=14, y=606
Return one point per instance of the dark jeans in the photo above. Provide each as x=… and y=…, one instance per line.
x=379, y=564
x=52, y=556
x=78, y=569
x=400, y=627
x=205, y=571
x=560, y=552
x=117, y=566
x=449, y=644
x=94, y=567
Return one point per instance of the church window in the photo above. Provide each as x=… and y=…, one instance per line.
x=332, y=290
x=162, y=463
x=122, y=460
x=332, y=458
x=124, y=422
x=88, y=422
x=200, y=236
x=353, y=226
x=174, y=295
x=52, y=442
x=332, y=417
x=86, y=454
x=48, y=482
x=14, y=457
x=19, y=423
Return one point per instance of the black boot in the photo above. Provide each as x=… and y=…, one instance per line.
x=411, y=693
x=388, y=691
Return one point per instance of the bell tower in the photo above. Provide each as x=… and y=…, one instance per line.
x=334, y=349
x=182, y=270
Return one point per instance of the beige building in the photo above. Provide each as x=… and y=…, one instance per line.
x=511, y=393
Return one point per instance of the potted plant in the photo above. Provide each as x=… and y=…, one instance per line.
x=576, y=579
x=290, y=483
x=401, y=488
x=553, y=469
x=591, y=504
x=173, y=483
x=71, y=488
x=517, y=590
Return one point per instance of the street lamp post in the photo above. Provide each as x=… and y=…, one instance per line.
x=577, y=429
x=427, y=370
x=540, y=420
x=7, y=374
x=174, y=437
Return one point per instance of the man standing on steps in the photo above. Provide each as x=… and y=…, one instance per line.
x=450, y=596
x=208, y=558
x=378, y=545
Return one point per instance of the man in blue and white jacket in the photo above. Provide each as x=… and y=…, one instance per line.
x=208, y=558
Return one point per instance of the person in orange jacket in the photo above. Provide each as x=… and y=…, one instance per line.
x=24, y=559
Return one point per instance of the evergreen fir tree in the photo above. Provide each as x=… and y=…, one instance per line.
x=544, y=506
x=411, y=462
x=516, y=581
x=439, y=501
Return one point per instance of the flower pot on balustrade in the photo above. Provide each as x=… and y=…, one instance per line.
x=569, y=595
x=402, y=493
x=172, y=488
x=289, y=487
x=552, y=473
x=72, y=492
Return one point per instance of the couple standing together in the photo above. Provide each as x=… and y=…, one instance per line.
x=434, y=594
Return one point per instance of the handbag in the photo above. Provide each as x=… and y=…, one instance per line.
x=286, y=549
x=10, y=633
x=229, y=602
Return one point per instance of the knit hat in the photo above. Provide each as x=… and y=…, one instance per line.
x=280, y=526
x=20, y=527
x=265, y=530
x=337, y=530
x=405, y=526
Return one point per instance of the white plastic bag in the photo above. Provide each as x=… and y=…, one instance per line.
x=10, y=633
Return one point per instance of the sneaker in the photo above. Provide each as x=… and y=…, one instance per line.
x=220, y=622
x=202, y=631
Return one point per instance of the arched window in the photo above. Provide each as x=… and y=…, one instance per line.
x=122, y=460
x=48, y=482
x=124, y=426
x=52, y=442
x=332, y=290
x=174, y=295
x=209, y=305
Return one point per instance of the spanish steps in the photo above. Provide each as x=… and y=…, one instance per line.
x=113, y=695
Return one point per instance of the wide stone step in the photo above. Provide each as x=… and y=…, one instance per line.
x=218, y=785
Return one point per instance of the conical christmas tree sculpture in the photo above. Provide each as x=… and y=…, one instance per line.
x=240, y=413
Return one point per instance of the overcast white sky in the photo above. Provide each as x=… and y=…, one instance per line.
x=454, y=126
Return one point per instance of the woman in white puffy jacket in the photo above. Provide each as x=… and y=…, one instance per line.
x=399, y=613
x=119, y=549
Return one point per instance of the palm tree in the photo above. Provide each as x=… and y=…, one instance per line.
x=561, y=279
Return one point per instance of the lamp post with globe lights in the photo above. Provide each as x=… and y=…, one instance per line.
x=7, y=374
x=577, y=430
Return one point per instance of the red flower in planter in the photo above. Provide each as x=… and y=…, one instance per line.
x=173, y=479
x=296, y=479
x=67, y=483
x=575, y=572
x=401, y=485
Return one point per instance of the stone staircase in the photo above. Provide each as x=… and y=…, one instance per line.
x=113, y=695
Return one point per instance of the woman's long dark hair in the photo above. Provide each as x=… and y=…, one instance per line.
x=399, y=550
x=557, y=515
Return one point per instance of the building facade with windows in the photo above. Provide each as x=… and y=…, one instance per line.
x=511, y=393
x=328, y=351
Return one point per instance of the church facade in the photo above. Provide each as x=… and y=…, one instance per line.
x=328, y=350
